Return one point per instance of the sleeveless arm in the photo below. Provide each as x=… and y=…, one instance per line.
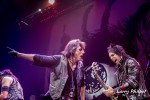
x=6, y=82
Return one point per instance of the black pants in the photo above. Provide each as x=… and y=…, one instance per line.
x=48, y=97
x=66, y=98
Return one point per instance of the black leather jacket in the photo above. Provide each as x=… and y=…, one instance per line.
x=131, y=80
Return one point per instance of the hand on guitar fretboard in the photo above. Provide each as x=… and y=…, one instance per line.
x=108, y=90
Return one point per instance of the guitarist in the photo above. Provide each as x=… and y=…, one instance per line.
x=129, y=75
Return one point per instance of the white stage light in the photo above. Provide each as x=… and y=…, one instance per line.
x=39, y=10
x=51, y=1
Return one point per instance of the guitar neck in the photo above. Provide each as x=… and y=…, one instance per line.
x=101, y=81
x=94, y=65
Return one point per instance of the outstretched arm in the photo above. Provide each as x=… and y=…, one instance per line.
x=15, y=53
x=39, y=60
x=26, y=56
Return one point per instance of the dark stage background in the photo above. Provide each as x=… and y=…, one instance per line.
x=97, y=22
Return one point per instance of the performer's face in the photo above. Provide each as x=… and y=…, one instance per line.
x=79, y=53
x=114, y=57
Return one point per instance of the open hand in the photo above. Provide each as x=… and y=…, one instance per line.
x=12, y=52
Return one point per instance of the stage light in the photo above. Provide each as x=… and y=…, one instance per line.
x=51, y=1
x=39, y=10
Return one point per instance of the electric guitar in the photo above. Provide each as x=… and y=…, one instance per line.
x=94, y=65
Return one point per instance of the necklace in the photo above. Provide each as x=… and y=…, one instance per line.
x=72, y=64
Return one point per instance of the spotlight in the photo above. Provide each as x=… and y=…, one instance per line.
x=39, y=10
x=51, y=1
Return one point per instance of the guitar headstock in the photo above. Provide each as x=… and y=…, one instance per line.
x=94, y=68
x=94, y=65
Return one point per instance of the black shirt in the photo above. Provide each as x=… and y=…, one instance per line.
x=71, y=84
